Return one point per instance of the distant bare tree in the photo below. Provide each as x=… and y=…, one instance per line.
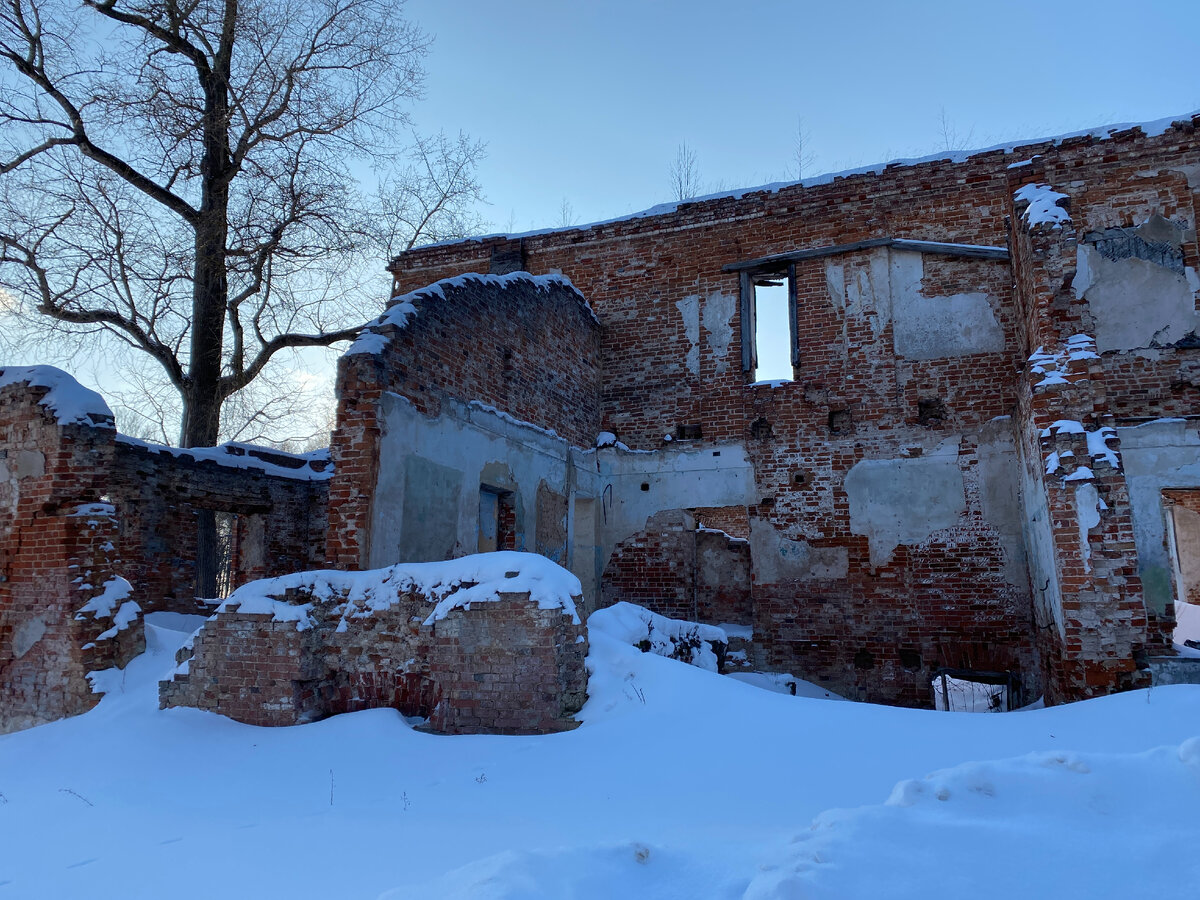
x=566, y=214
x=685, y=175
x=802, y=156
x=949, y=135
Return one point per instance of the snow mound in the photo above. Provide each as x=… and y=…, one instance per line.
x=452, y=584
x=689, y=642
x=1041, y=825
x=69, y=401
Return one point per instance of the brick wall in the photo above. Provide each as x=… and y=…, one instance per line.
x=57, y=554
x=502, y=667
x=962, y=597
x=91, y=522
x=529, y=348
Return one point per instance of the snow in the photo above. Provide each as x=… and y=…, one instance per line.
x=678, y=783
x=402, y=308
x=238, y=455
x=677, y=638
x=1043, y=206
x=69, y=401
x=101, y=606
x=1102, y=132
x=479, y=578
x=1098, y=448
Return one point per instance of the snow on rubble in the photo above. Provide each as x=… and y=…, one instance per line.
x=678, y=783
x=1043, y=208
x=453, y=584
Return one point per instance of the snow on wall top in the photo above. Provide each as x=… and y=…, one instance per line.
x=1102, y=132
x=402, y=308
x=69, y=401
x=313, y=466
x=452, y=584
x=1043, y=206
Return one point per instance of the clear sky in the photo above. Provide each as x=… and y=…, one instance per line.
x=587, y=102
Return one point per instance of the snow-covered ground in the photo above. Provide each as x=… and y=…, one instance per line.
x=679, y=783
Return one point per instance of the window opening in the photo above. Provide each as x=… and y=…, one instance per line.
x=226, y=557
x=769, y=339
x=1183, y=541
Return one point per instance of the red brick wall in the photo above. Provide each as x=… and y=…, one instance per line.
x=878, y=632
x=52, y=562
x=503, y=667
x=529, y=349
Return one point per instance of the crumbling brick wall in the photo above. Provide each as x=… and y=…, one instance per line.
x=57, y=553
x=527, y=347
x=869, y=389
x=501, y=667
x=96, y=530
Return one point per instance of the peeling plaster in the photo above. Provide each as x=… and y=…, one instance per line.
x=777, y=559
x=938, y=327
x=1087, y=508
x=26, y=635
x=689, y=309
x=905, y=500
x=1135, y=303
x=718, y=322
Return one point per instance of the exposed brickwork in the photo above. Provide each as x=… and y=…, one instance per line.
x=57, y=553
x=82, y=509
x=529, y=349
x=960, y=598
x=503, y=667
x=677, y=569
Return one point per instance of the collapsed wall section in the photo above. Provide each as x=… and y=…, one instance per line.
x=483, y=644
x=467, y=395
x=96, y=529
x=64, y=609
x=1105, y=259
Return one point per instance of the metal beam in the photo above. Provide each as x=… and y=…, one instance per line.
x=778, y=262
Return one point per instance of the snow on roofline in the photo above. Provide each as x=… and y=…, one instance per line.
x=402, y=307
x=1102, y=132
x=236, y=455
x=69, y=401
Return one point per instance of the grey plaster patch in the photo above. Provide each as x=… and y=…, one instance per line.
x=718, y=322
x=777, y=559
x=1135, y=303
x=689, y=309
x=938, y=327
x=835, y=284
x=429, y=529
x=27, y=463
x=26, y=635
x=904, y=501
x=713, y=563
x=999, y=472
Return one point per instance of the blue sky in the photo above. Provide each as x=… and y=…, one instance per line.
x=588, y=102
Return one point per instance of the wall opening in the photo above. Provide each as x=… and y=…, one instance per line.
x=772, y=336
x=1182, y=509
x=227, y=555
x=964, y=690
x=497, y=520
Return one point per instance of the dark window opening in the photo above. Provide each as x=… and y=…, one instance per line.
x=964, y=690
x=931, y=412
x=692, y=431
x=840, y=421
x=761, y=430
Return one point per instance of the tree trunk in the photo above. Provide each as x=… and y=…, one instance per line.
x=210, y=295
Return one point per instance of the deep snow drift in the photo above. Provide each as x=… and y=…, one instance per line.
x=679, y=783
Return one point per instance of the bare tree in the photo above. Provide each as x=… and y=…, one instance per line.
x=685, y=176
x=802, y=156
x=566, y=214
x=950, y=137
x=176, y=179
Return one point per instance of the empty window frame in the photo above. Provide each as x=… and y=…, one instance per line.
x=770, y=350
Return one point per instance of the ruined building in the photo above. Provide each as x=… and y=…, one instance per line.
x=986, y=460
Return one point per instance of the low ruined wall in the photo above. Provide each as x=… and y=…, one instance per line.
x=96, y=529
x=305, y=647
x=64, y=610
